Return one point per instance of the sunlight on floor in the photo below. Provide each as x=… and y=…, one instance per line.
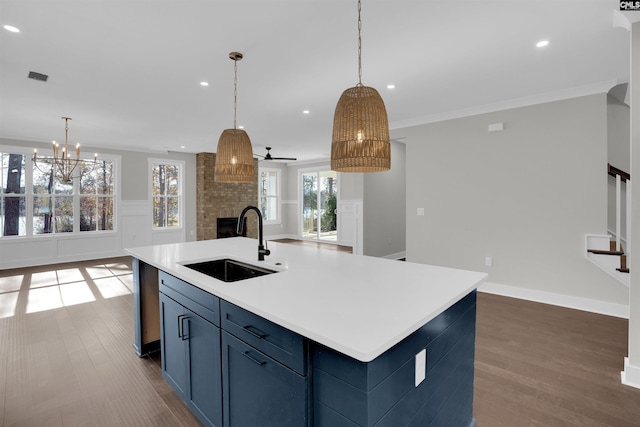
x=76, y=293
x=47, y=290
x=45, y=278
x=11, y=283
x=111, y=287
x=8, y=304
x=41, y=299
x=9, y=287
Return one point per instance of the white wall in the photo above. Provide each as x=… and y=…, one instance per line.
x=385, y=208
x=618, y=144
x=134, y=226
x=525, y=196
x=631, y=373
x=618, y=133
x=282, y=229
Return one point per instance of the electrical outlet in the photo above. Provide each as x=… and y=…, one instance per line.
x=421, y=366
x=420, y=212
x=488, y=261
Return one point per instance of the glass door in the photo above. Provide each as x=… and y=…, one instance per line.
x=319, y=205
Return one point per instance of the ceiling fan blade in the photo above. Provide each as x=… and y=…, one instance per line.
x=282, y=158
x=269, y=157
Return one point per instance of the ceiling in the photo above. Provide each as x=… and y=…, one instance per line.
x=129, y=72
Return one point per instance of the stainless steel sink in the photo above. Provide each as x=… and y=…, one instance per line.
x=229, y=270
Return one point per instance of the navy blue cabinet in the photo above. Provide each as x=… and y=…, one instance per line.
x=234, y=368
x=174, y=355
x=203, y=353
x=259, y=391
x=382, y=393
x=190, y=344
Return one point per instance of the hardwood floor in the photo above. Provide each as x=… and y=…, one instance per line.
x=541, y=365
x=66, y=358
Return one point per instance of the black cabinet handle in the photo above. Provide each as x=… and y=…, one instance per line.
x=185, y=336
x=256, y=361
x=180, y=326
x=181, y=333
x=258, y=333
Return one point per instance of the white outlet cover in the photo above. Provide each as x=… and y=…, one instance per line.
x=420, y=212
x=421, y=366
x=496, y=127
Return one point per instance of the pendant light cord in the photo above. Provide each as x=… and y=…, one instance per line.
x=235, y=90
x=359, y=45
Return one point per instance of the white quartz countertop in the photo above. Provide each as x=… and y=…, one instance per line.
x=358, y=305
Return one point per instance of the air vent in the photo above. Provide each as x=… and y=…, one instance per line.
x=37, y=76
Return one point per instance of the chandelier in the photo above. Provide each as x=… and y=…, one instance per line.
x=234, y=155
x=360, y=141
x=63, y=167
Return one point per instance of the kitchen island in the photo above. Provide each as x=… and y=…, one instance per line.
x=349, y=340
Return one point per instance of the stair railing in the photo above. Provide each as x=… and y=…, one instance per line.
x=622, y=176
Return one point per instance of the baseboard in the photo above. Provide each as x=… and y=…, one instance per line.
x=397, y=255
x=631, y=374
x=584, y=304
x=279, y=236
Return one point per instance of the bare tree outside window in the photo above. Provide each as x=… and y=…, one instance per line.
x=166, y=194
x=43, y=201
x=96, y=197
x=87, y=203
x=12, y=202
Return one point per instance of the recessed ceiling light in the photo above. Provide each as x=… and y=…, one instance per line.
x=183, y=146
x=204, y=83
x=11, y=28
x=542, y=43
x=391, y=86
x=306, y=111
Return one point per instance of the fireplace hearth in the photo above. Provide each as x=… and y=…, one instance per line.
x=227, y=228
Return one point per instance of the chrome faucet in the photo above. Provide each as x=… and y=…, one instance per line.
x=262, y=250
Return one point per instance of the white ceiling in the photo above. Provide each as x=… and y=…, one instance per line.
x=128, y=72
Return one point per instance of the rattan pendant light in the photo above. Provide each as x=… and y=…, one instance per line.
x=360, y=140
x=234, y=155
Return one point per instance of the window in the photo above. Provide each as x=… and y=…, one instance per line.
x=96, y=198
x=12, y=195
x=166, y=192
x=85, y=204
x=33, y=202
x=319, y=205
x=269, y=195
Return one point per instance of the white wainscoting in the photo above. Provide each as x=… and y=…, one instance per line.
x=350, y=224
x=136, y=223
x=41, y=250
x=137, y=227
x=162, y=237
x=134, y=228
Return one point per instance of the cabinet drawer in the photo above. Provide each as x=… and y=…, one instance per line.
x=258, y=391
x=283, y=345
x=200, y=302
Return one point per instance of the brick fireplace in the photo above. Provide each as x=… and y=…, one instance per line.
x=222, y=200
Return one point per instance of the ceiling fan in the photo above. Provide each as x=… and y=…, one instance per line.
x=270, y=157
